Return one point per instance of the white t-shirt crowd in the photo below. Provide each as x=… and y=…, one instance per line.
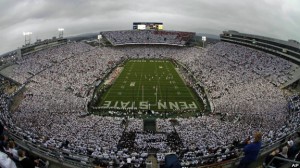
x=242, y=85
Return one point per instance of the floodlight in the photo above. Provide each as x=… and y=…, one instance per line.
x=27, y=33
x=27, y=37
x=203, y=39
x=61, y=32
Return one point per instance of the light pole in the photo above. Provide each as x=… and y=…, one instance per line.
x=61, y=32
x=203, y=40
x=27, y=37
x=99, y=38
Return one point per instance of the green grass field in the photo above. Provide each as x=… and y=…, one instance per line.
x=150, y=84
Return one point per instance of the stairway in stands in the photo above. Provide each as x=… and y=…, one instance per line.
x=149, y=124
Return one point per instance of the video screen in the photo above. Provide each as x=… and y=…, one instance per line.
x=148, y=26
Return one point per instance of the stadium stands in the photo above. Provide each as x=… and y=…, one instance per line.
x=242, y=82
x=126, y=37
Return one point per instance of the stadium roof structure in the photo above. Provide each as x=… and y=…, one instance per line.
x=289, y=50
x=292, y=43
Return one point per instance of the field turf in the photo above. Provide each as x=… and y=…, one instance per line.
x=150, y=85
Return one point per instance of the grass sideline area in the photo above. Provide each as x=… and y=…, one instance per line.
x=145, y=85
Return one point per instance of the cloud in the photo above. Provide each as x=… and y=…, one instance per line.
x=273, y=18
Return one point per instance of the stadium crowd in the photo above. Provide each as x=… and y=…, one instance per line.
x=242, y=83
x=126, y=37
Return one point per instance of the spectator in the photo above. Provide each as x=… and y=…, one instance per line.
x=282, y=154
x=269, y=158
x=294, y=148
x=11, y=150
x=3, y=142
x=1, y=128
x=251, y=151
x=6, y=162
x=27, y=162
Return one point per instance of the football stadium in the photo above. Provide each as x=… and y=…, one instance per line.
x=150, y=97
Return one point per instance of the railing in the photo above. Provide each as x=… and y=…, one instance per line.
x=83, y=161
x=53, y=155
x=284, y=163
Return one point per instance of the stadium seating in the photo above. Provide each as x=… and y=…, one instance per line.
x=242, y=83
x=126, y=37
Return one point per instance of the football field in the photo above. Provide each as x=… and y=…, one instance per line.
x=150, y=85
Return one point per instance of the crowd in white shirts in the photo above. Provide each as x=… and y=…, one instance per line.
x=242, y=83
x=126, y=37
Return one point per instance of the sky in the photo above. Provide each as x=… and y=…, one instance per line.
x=272, y=18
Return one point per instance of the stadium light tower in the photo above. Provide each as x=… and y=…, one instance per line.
x=61, y=32
x=27, y=37
x=99, y=38
x=203, y=40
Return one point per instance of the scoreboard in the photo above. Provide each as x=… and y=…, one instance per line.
x=148, y=26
